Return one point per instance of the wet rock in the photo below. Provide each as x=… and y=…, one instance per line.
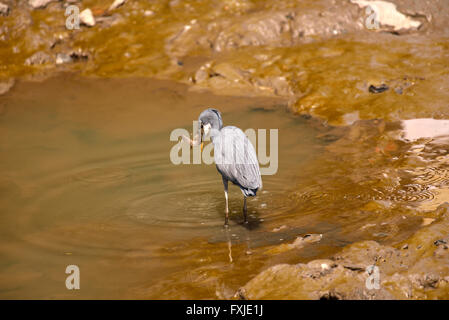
x=62, y=58
x=427, y=221
x=378, y=89
x=387, y=15
x=87, y=18
x=331, y=295
x=430, y=281
x=279, y=228
x=402, y=84
x=442, y=251
x=258, y=30
x=279, y=86
x=299, y=243
x=405, y=272
x=36, y=4
x=38, y=58
x=79, y=55
x=274, y=28
x=223, y=78
x=6, y=85
x=229, y=72
x=322, y=264
x=4, y=9
x=201, y=74
x=415, y=129
x=310, y=281
x=433, y=14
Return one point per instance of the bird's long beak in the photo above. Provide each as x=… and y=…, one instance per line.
x=201, y=137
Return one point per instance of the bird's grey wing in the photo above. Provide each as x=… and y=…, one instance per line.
x=236, y=158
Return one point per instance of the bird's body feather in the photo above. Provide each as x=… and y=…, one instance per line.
x=236, y=159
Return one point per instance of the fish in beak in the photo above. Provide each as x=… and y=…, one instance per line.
x=198, y=138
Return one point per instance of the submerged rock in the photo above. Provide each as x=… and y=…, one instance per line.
x=299, y=243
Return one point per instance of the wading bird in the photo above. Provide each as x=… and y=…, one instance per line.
x=234, y=155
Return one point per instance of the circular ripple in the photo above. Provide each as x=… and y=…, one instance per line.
x=185, y=206
x=275, y=200
x=105, y=175
x=202, y=205
x=412, y=193
x=433, y=175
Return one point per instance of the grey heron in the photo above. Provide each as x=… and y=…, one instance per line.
x=234, y=155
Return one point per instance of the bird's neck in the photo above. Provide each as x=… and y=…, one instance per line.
x=214, y=133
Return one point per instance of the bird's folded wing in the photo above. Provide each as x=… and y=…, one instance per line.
x=236, y=158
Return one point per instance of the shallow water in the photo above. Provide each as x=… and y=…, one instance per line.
x=86, y=179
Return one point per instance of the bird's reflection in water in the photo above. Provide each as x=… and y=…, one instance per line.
x=245, y=235
x=228, y=239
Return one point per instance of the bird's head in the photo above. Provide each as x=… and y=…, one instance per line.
x=209, y=119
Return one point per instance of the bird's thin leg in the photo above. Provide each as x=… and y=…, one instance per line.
x=225, y=184
x=245, y=215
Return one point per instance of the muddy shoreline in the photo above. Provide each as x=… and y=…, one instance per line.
x=353, y=84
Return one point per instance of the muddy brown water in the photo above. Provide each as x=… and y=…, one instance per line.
x=86, y=179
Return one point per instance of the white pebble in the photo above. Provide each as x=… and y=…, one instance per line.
x=148, y=13
x=324, y=266
x=87, y=18
x=116, y=4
